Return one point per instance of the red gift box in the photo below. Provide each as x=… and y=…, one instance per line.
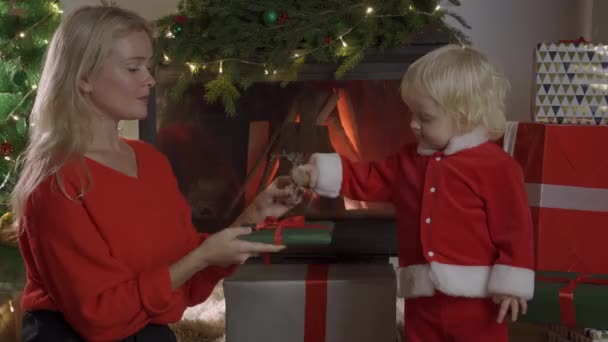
x=566, y=174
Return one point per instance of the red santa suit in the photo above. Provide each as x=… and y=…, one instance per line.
x=464, y=231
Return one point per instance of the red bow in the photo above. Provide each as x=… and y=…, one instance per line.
x=566, y=294
x=272, y=222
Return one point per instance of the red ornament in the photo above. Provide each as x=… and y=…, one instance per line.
x=181, y=19
x=283, y=18
x=329, y=40
x=6, y=149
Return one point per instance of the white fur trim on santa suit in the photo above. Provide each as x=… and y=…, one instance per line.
x=461, y=281
x=512, y=281
x=464, y=281
x=329, y=181
x=474, y=138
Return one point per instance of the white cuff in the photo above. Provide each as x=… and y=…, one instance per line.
x=512, y=281
x=329, y=178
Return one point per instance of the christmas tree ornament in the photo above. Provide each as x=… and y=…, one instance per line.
x=6, y=148
x=181, y=19
x=329, y=40
x=20, y=78
x=177, y=29
x=270, y=17
x=283, y=18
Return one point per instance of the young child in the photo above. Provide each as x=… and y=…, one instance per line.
x=464, y=225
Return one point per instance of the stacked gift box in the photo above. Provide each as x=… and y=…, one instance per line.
x=565, y=165
x=306, y=301
x=559, y=333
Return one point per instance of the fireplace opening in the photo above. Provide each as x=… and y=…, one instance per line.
x=221, y=162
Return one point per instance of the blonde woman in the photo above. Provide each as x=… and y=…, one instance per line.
x=106, y=236
x=464, y=225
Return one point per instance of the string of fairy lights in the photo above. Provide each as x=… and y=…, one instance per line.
x=369, y=11
x=13, y=114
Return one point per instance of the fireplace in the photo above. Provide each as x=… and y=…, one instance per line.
x=221, y=162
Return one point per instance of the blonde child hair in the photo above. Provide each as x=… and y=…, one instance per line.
x=60, y=123
x=464, y=83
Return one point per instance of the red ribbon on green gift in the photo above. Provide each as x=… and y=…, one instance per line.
x=272, y=222
x=566, y=294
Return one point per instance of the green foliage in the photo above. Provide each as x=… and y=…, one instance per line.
x=23, y=41
x=234, y=36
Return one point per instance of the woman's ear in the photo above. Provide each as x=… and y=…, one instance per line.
x=85, y=85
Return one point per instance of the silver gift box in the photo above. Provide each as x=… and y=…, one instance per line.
x=267, y=303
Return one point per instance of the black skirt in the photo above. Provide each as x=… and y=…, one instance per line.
x=48, y=326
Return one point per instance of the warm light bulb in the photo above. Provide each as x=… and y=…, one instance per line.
x=46, y=41
x=22, y=35
x=7, y=158
x=57, y=9
x=166, y=58
x=438, y=8
x=10, y=302
x=369, y=10
x=169, y=34
x=192, y=67
x=266, y=72
x=15, y=117
x=221, y=67
x=296, y=55
x=343, y=42
x=34, y=87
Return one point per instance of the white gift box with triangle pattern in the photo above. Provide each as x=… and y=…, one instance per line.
x=571, y=83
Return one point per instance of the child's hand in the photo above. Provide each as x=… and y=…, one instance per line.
x=305, y=175
x=514, y=303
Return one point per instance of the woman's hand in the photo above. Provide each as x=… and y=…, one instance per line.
x=276, y=200
x=225, y=248
x=220, y=249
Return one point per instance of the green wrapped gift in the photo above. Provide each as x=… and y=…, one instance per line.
x=292, y=231
x=569, y=299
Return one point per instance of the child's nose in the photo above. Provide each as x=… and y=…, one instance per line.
x=414, y=125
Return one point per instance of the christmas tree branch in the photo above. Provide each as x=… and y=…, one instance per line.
x=28, y=29
x=29, y=93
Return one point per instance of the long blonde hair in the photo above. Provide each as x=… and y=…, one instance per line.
x=60, y=123
x=464, y=82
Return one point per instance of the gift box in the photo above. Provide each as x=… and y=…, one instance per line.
x=311, y=303
x=569, y=299
x=292, y=231
x=571, y=83
x=565, y=173
x=558, y=333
